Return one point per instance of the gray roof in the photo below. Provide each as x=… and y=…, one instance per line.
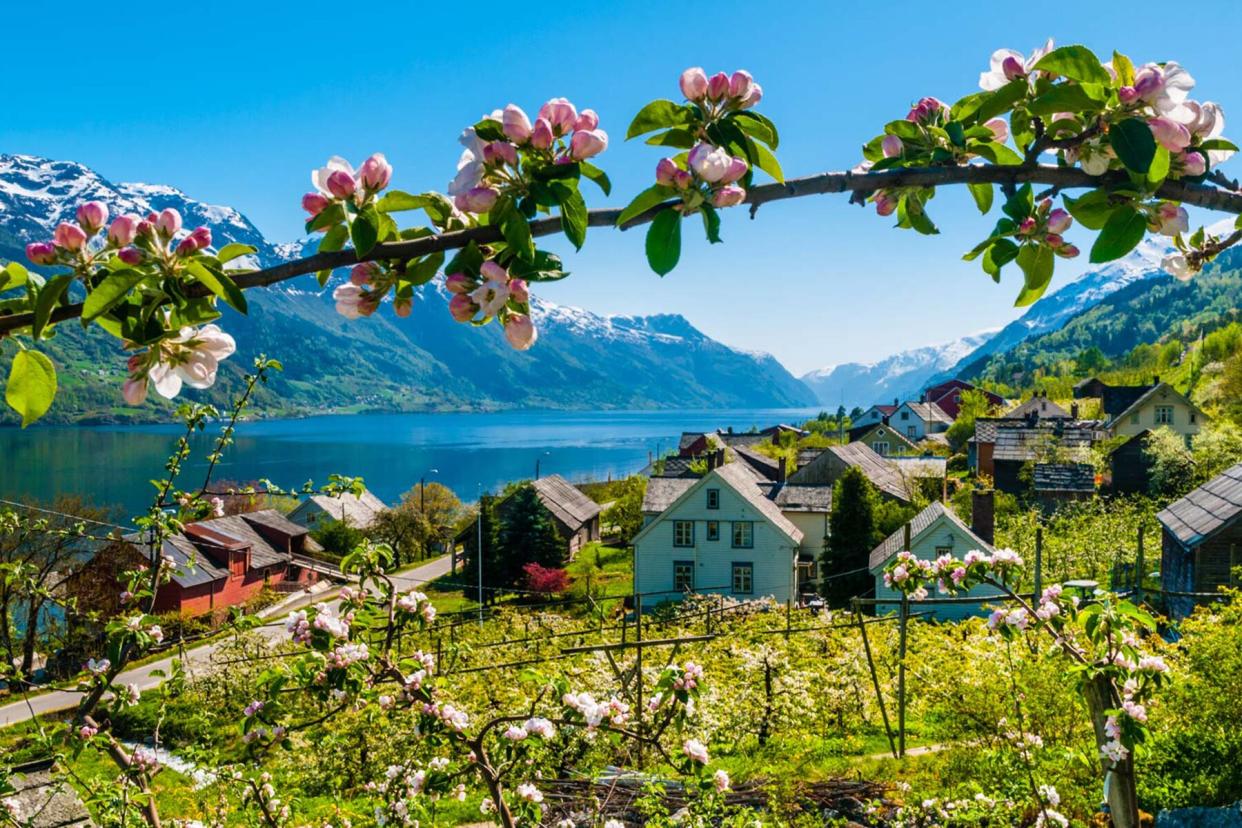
x=986, y=427
x=662, y=491
x=929, y=412
x=190, y=566
x=569, y=505
x=1064, y=477
x=919, y=524
x=799, y=498
x=1041, y=407
x=919, y=467
x=766, y=467
x=743, y=482
x=356, y=510
x=1148, y=394
x=1206, y=510
x=675, y=467
x=883, y=474
x=1022, y=444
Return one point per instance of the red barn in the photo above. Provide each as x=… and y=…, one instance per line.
x=948, y=395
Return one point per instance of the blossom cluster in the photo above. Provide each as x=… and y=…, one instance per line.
x=337, y=183
x=493, y=294
x=417, y=604
x=130, y=238
x=616, y=711
x=192, y=357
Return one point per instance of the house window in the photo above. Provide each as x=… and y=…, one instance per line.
x=944, y=550
x=1164, y=415
x=1192, y=418
x=910, y=431
x=683, y=533
x=743, y=534
x=683, y=576
x=713, y=498
x=743, y=578
x=880, y=446
x=1134, y=418
x=905, y=415
x=713, y=530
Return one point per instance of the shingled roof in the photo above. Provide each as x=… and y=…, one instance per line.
x=662, y=491
x=929, y=412
x=799, y=498
x=883, y=474
x=358, y=511
x=743, y=482
x=1064, y=477
x=919, y=524
x=1206, y=510
x=764, y=466
x=1022, y=444
x=1041, y=407
x=567, y=504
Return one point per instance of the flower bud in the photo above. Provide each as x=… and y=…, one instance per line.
x=520, y=331
x=462, y=307
x=756, y=95
x=168, y=222
x=1026, y=226
x=737, y=168
x=123, y=230
x=130, y=255
x=134, y=391
x=587, y=143
x=459, y=283
x=493, y=272
x=740, y=84
x=718, y=87
x=560, y=114
x=1053, y=240
x=1000, y=130
x=41, y=253
x=92, y=216
x=666, y=172
x=1127, y=95
x=709, y=162
x=541, y=136
x=202, y=237
x=1148, y=81
x=519, y=291
x=361, y=273
x=476, y=200
x=341, y=184
x=1169, y=133
x=683, y=180
x=1171, y=218
x=891, y=146
x=146, y=229
x=69, y=236
x=728, y=196
x=375, y=172
x=694, y=83
x=187, y=246
x=500, y=152
x=1013, y=68
x=1193, y=164
x=315, y=203
x=587, y=119
x=403, y=306
x=1059, y=221
x=515, y=124
x=1067, y=251
x=885, y=204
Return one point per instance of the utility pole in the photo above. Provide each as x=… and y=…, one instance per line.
x=537, y=459
x=479, y=554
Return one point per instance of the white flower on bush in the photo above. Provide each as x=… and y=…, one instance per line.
x=696, y=750
x=721, y=780
x=529, y=792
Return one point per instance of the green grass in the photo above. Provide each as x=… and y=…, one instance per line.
x=601, y=572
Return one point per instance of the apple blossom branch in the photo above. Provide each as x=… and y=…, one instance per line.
x=1207, y=197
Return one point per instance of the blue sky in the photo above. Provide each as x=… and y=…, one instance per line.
x=235, y=102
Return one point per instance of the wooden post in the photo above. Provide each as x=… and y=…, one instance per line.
x=875, y=678
x=1140, y=567
x=638, y=670
x=901, y=676
x=1039, y=561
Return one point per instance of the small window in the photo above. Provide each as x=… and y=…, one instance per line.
x=880, y=447
x=683, y=576
x=1134, y=418
x=1192, y=418
x=713, y=530
x=713, y=498
x=905, y=415
x=683, y=533
x=743, y=534
x=1164, y=415
x=743, y=578
x=911, y=431
x=944, y=550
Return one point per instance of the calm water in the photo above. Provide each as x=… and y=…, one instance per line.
x=113, y=464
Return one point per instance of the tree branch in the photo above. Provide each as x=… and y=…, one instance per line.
x=1199, y=195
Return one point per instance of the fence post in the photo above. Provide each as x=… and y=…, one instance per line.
x=1039, y=561
x=875, y=678
x=901, y=677
x=638, y=669
x=1140, y=567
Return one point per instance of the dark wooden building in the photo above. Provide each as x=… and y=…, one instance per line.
x=1202, y=540
x=1058, y=483
x=1130, y=466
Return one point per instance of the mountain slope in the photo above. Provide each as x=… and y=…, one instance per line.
x=899, y=376
x=424, y=362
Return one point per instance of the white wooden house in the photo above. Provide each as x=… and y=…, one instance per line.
x=916, y=420
x=359, y=511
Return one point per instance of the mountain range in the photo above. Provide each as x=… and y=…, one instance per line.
x=423, y=362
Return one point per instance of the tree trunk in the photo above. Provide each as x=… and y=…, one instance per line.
x=1122, y=792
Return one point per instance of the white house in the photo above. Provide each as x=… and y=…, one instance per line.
x=916, y=420
x=935, y=531
x=719, y=534
x=359, y=511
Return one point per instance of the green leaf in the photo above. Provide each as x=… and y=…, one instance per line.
x=983, y=194
x=644, y=201
x=659, y=114
x=597, y=175
x=424, y=270
x=956, y=133
x=1092, y=209
x=516, y=231
x=467, y=260
x=31, y=386
x=1134, y=144
x=766, y=161
x=328, y=216
x=219, y=284
x=680, y=138
x=105, y=295
x=489, y=130
x=1076, y=63
x=996, y=153
x=1001, y=253
x=1124, y=68
x=664, y=241
x=1036, y=262
x=1069, y=97
x=998, y=102
x=1218, y=144
x=758, y=127
x=364, y=230
x=235, y=250
x=13, y=275
x=396, y=201
x=334, y=239
x=1020, y=204
x=545, y=267
x=573, y=213
x=49, y=296
x=1122, y=232
x=711, y=223
x=911, y=213
x=1159, y=169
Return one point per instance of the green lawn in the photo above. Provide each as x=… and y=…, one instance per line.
x=601, y=572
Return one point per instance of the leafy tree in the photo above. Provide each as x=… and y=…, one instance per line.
x=852, y=536
x=1172, y=463
x=973, y=404
x=337, y=537
x=487, y=527
x=1090, y=361
x=425, y=515
x=626, y=511
x=549, y=580
x=527, y=535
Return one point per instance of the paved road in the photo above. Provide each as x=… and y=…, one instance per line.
x=198, y=658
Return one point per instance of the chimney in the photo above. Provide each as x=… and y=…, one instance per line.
x=1074, y=411
x=1155, y=379
x=781, y=467
x=896, y=401
x=983, y=514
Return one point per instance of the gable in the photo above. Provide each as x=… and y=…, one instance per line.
x=934, y=526
x=1158, y=395
x=740, y=499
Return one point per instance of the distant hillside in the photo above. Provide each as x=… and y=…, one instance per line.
x=425, y=362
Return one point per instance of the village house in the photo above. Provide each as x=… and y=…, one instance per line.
x=1202, y=540
x=1039, y=407
x=825, y=468
x=948, y=396
x=358, y=511
x=718, y=534
x=1057, y=483
x=575, y=516
x=1129, y=466
x=916, y=420
x=1161, y=406
x=1047, y=441
x=886, y=441
x=873, y=416
x=1114, y=399
x=217, y=563
x=935, y=531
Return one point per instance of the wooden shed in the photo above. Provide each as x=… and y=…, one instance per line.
x=1202, y=540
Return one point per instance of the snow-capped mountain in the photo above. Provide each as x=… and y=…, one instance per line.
x=426, y=361
x=899, y=376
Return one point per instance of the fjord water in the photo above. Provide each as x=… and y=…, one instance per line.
x=112, y=465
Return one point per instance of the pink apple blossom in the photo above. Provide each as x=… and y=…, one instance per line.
x=519, y=291
x=694, y=83
x=666, y=173
x=315, y=203
x=891, y=146
x=476, y=200
x=520, y=331
x=560, y=114
x=1000, y=130
x=459, y=283
x=341, y=184
x=362, y=273
x=1059, y=221
x=515, y=124
x=69, y=236
x=92, y=216
x=1169, y=133
x=1172, y=218
x=134, y=390
x=123, y=230
x=375, y=172
x=349, y=300
x=741, y=83
x=542, y=136
x=718, y=87
x=1193, y=164
x=709, y=162
x=696, y=750
x=130, y=255
x=167, y=223
x=587, y=144
x=728, y=196
x=462, y=307
x=41, y=253
x=587, y=119
x=500, y=152
x=737, y=169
